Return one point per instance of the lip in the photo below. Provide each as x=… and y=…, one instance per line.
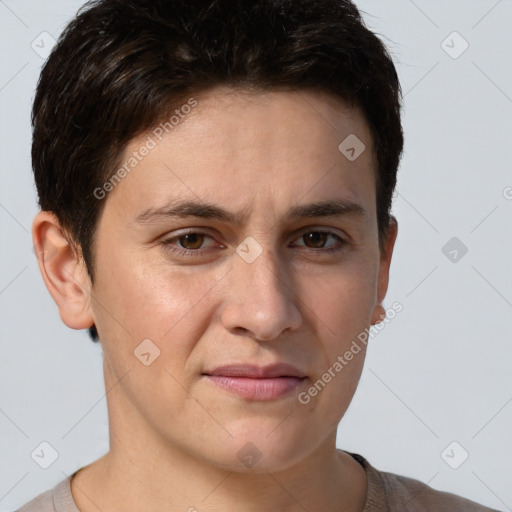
x=257, y=382
x=253, y=371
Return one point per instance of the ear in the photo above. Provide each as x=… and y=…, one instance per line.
x=379, y=313
x=63, y=271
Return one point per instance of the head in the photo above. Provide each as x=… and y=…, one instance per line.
x=244, y=109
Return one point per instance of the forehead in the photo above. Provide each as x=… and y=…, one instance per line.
x=243, y=148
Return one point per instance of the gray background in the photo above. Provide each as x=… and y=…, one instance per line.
x=438, y=373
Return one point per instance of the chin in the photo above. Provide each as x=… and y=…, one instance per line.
x=257, y=448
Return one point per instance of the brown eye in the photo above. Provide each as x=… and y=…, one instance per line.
x=192, y=243
x=317, y=239
x=191, y=240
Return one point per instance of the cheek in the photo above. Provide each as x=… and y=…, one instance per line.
x=340, y=305
x=341, y=301
x=167, y=306
x=172, y=307
x=333, y=385
x=151, y=300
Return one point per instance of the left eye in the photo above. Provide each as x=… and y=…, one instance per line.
x=317, y=238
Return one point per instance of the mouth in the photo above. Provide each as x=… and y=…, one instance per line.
x=257, y=382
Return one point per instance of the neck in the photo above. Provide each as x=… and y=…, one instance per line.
x=323, y=481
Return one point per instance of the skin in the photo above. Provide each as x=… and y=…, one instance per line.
x=174, y=436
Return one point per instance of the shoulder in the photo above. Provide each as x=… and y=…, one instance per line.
x=58, y=499
x=41, y=503
x=420, y=497
x=389, y=491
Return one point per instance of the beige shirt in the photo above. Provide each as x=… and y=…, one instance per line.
x=387, y=492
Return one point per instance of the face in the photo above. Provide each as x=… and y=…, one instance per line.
x=195, y=310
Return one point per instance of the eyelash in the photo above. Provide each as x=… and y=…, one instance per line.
x=168, y=243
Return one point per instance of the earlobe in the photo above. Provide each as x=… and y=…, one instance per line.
x=378, y=315
x=63, y=271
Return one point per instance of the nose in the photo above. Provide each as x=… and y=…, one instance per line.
x=260, y=301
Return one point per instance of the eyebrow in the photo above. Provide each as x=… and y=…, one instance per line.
x=188, y=208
